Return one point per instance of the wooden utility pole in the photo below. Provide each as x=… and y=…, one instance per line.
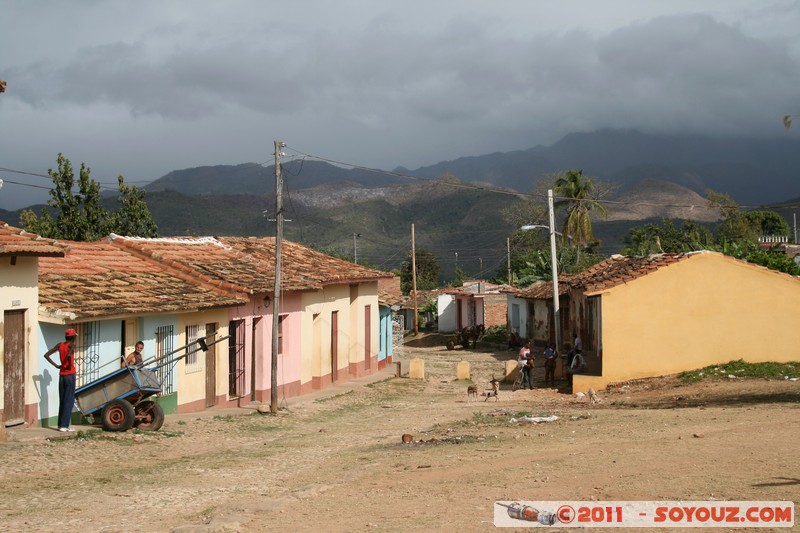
x=414, y=281
x=276, y=296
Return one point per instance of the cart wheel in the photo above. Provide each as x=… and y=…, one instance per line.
x=118, y=415
x=149, y=416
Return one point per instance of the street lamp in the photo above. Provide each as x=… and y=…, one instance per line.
x=553, y=264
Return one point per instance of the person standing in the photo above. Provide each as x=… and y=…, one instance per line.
x=66, y=377
x=525, y=365
x=135, y=357
x=550, y=357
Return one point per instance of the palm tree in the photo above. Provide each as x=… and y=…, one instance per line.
x=576, y=194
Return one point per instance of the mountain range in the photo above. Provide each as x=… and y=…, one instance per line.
x=455, y=205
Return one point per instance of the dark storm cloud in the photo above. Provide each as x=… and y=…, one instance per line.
x=667, y=72
x=214, y=83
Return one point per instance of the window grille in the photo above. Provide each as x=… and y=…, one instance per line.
x=87, y=353
x=193, y=333
x=236, y=359
x=165, y=339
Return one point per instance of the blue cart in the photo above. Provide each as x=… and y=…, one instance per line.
x=120, y=399
x=123, y=398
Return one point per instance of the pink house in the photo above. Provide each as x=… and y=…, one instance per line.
x=329, y=311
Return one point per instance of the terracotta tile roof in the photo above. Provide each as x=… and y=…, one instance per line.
x=15, y=241
x=203, y=258
x=248, y=263
x=619, y=269
x=101, y=279
x=389, y=292
x=615, y=270
x=542, y=290
x=302, y=267
x=422, y=299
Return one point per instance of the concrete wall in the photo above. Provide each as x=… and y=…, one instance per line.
x=446, y=306
x=541, y=321
x=707, y=309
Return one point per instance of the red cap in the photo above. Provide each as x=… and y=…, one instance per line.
x=70, y=333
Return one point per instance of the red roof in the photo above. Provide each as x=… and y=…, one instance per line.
x=248, y=263
x=100, y=279
x=615, y=270
x=15, y=241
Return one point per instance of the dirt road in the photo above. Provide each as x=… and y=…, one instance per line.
x=338, y=464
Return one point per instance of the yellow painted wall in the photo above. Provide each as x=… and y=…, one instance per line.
x=707, y=309
x=19, y=291
x=316, y=360
x=191, y=379
x=316, y=340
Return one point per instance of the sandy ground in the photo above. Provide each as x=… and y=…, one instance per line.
x=338, y=464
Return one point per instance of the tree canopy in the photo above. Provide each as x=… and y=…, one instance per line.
x=577, y=197
x=427, y=272
x=80, y=216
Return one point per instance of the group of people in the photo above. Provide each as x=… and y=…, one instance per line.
x=67, y=372
x=575, y=363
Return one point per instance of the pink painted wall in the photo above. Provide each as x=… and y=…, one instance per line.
x=289, y=363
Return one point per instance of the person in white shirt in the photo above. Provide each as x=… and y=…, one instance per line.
x=578, y=366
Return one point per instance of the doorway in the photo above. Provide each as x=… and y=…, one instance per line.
x=14, y=360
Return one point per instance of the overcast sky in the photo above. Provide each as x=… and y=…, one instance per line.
x=143, y=88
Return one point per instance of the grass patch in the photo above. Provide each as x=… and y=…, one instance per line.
x=334, y=397
x=741, y=369
x=371, y=385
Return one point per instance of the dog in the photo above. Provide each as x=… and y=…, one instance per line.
x=472, y=391
x=494, y=391
x=593, y=398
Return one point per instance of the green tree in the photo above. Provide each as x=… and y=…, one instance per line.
x=734, y=226
x=458, y=277
x=81, y=216
x=577, y=194
x=666, y=237
x=133, y=218
x=768, y=222
x=427, y=272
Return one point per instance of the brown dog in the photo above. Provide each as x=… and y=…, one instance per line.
x=494, y=391
x=472, y=391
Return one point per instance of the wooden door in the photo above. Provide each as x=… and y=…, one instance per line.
x=211, y=365
x=14, y=361
x=334, y=345
x=367, y=336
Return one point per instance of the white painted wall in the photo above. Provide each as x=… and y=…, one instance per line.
x=446, y=308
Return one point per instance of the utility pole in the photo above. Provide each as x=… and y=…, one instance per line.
x=414, y=281
x=508, y=246
x=276, y=297
x=481, y=261
x=794, y=218
x=355, y=248
x=554, y=266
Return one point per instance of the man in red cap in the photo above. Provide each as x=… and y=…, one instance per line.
x=66, y=377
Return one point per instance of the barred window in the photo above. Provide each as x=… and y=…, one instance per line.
x=193, y=333
x=164, y=345
x=87, y=353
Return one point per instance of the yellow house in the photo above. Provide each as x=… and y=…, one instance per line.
x=667, y=313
